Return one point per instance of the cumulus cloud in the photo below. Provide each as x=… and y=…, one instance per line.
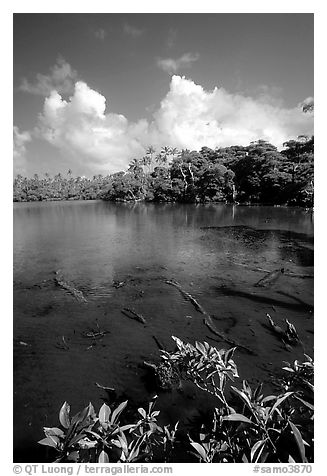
x=188, y=117
x=100, y=141
x=191, y=117
x=20, y=139
x=60, y=78
x=132, y=31
x=100, y=34
x=170, y=65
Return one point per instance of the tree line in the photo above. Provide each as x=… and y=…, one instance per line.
x=257, y=173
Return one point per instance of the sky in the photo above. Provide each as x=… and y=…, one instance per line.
x=92, y=91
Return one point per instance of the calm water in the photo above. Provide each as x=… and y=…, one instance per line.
x=214, y=251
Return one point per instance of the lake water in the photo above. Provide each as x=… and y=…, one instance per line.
x=216, y=252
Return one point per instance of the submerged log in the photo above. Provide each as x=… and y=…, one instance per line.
x=108, y=389
x=63, y=344
x=188, y=296
x=289, y=336
x=207, y=318
x=286, y=272
x=95, y=335
x=60, y=281
x=298, y=275
x=270, y=278
x=118, y=284
x=133, y=315
x=291, y=331
x=222, y=336
x=277, y=329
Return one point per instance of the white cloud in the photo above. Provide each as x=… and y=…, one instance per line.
x=188, y=117
x=170, y=65
x=132, y=31
x=191, y=117
x=80, y=127
x=20, y=139
x=60, y=78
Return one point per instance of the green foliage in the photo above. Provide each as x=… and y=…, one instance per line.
x=88, y=437
x=257, y=428
x=257, y=173
x=246, y=427
x=204, y=365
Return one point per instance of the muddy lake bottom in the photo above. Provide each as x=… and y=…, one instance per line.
x=217, y=254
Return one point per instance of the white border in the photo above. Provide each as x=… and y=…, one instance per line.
x=64, y=6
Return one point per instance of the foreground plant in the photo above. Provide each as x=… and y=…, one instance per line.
x=204, y=365
x=88, y=437
x=247, y=427
x=256, y=428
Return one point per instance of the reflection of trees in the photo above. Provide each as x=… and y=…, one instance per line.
x=257, y=173
x=289, y=244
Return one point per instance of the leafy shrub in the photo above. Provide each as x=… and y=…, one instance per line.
x=261, y=428
x=88, y=437
x=256, y=428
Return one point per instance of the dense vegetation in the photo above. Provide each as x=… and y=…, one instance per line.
x=246, y=426
x=257, y=173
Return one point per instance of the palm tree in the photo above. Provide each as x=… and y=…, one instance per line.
x=183, y=153
x=158, y=158
x=146, y=161
x=134, y=165
x=149, y=153
x=174, y=151
x=165, y=152
x=150, y=150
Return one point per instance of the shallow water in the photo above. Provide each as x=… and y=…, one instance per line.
x=214, y=251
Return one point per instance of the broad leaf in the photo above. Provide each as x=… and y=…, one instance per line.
x=229, y=354
x=279, y=401
x=200, y=347
x=53, y=432
x=269, y=398
x=237, y=417
x=299, y=441
x=103, y=457
x=104, y=414
x=126, y=427
x=255, y=448
x=50, y=441
x=81, y=417
x=307, y=404
x=244, y=458
x=117, y=412
x=64, y=415
x=142, y=412
x=199, y=448
x=243, y=396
